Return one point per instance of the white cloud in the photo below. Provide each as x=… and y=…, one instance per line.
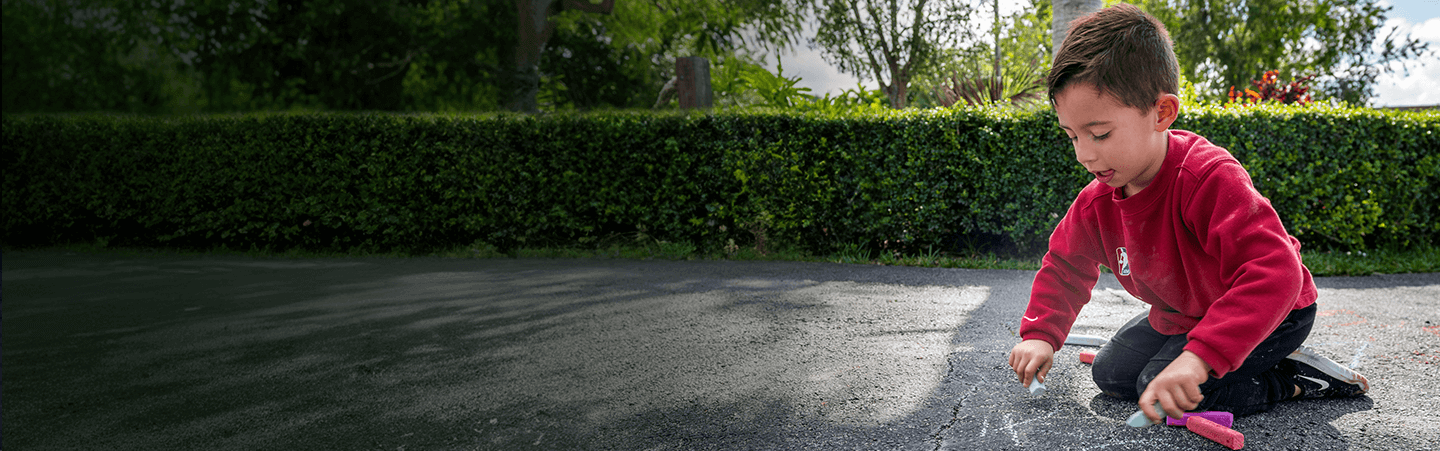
x=1418, y=87
x=814, y=72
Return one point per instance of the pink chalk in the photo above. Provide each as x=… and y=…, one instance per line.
x=1226, y=419
x=1087, y=357
x=1231, y=438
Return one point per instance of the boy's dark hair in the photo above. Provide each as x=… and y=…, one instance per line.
x=1122, y=51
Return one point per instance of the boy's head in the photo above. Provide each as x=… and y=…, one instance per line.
x=1121, y=51
x=1113, y=88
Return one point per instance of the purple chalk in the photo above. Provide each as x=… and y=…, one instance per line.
x=1226, y=419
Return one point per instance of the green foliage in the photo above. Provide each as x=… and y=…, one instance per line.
x=141, y=56
x=967, y=75
x=1226, y=43
x=863, y=183
x=67, y=55
x=584, y=72
x=1347, y=177
x=736, y=82
x=623, y=59
x=848, y=102
x=890, y=43
x=1382, y=261
x=777, y=89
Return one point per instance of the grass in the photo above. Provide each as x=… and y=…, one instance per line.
x=639, y=247
x=1379, y=261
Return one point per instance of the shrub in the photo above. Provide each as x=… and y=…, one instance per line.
x=976, y=179
x=1269, y=89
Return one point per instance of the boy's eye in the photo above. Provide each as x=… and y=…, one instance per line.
x=1102, y=137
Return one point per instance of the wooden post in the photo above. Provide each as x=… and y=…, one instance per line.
x=692, y=82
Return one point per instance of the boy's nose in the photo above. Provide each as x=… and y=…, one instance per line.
x=1084, y=154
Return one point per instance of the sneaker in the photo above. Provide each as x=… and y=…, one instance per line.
x=1320, y=377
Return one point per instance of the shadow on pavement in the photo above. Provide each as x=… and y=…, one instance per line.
x=234, y=353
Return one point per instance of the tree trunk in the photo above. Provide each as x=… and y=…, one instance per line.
x=535, y=29
x=1066, y=11
x=902, y=89
x=899, y=81
x=996, y=88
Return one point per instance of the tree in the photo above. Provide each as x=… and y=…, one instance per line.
x=213, y=55
x=585, y=70
x=1067, y=11
x=1223, y=43
x=535, y=28
x=890, y=42
x=624, y=58
x=220, y=55
x=1009, y=68
x=70, y=55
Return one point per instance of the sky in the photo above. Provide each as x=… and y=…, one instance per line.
x=1421, y=86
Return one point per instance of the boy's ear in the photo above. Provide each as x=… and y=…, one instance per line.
x=1167, y=109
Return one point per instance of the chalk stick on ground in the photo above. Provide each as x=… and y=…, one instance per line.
x=1036, y=388
x=1139, y=420
x=1231, y=438
x=1086, y=340
x=1087, y=357
x=1226, y=419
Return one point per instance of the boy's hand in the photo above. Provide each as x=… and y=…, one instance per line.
x=1177, y=388
x=1030, y=359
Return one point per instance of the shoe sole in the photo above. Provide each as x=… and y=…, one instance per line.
x=1330, y=368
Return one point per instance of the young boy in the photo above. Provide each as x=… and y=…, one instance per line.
x=1178, y=221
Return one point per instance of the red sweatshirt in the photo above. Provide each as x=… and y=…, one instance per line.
x=1199, y=245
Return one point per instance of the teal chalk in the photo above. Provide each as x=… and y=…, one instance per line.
x=1138, y=420
x=1036, y=388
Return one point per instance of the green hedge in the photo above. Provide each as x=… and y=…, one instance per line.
x=968, y=180
x=1346, y=177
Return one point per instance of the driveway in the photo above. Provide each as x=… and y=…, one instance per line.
x=117, y=352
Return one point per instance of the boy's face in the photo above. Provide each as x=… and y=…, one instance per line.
x=1122, y=146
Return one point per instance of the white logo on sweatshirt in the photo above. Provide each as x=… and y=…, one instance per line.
x=1124, y=260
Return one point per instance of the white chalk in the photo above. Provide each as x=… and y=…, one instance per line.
x=1086, y=340
x=1036, y=388
x=1139, y=420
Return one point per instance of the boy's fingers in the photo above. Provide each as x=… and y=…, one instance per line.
x=1188, y=398
x=1173, y=408
x=1018, y=365
x=1194, y=395
x=1149, y=409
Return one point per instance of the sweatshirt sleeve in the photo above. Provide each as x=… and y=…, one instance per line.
x=1067, y=273
x=1259, y=266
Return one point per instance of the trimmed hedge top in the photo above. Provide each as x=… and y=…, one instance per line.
x=972, y=179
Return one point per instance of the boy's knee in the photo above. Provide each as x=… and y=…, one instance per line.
x=1143, y=381
x=1124, y=389
x=1119, y=384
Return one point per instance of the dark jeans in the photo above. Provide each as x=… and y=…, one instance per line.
x=1137, y=354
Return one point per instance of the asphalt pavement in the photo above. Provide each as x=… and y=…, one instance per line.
x=125, y=351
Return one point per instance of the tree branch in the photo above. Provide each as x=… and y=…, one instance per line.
x=916, y=41
x=603, y=8
x=880, y=36
x=399, y=66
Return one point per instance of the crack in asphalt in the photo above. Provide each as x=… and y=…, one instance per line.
x=939, y=435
